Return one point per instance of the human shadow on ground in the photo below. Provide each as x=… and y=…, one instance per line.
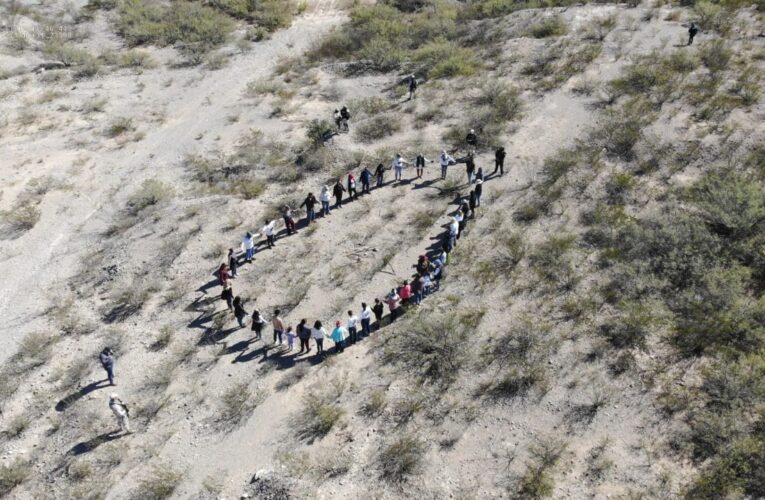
x=90, y=445
x=68, y=401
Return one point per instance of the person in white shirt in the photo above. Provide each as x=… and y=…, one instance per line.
x=366, y=318
x=318, y=332
x=324, y=198
x=353, y=324
x=398, y=165
x=121, y=412
x=454, y=231
x=268, y=231
x=248, y=246
x=445, y=160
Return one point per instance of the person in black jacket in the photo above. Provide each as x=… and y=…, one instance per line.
x=412, y=86
x=470, y=168
x=107, y=361
x=478, y=192
x=378, y=310
x=233, y=263
x=310, y=207
x=228, y=295
x=419, y=164
x=338, y=191
x=472, y=140
x=257, y=324
x=692, y=31
x=499, y=161
x=345, y=116
x=365, y=177
x=303, y=332
x=472, y=203
x=239, y=311
x=379, y=172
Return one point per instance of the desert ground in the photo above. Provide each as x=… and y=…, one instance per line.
x=598, y=332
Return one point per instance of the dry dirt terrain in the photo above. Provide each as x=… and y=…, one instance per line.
x=599, y=332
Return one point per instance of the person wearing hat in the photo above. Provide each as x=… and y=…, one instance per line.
x=338, y=336
x=445, y=160
x=121, y=412
x=107, y=361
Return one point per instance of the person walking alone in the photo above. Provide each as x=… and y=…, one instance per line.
x=499, y=161
x=692, y=32
x=412, y=86
x=310, y=203
x=107, y=362
x=121, y=412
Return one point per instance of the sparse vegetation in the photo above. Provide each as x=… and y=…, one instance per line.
x=159, y=484
x=318, y=416
x=401, y=459
x=12, y=475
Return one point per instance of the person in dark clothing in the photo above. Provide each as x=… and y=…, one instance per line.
x=223, y=274
x=257, y=324
x=352, y=194
x=465, y=209
x=472, y=203
x=470, y=168
x=379, y=172
x=378, y=310
x=419, y=164
x=472, y=140
x=365, y=177
x=479, y=175
x=304, y=334
x=107, y=361
x=692, y=31
x=345, y=116
x=310, y=203
x=228, y=295
x=233, y=263
x=416, y=288
x=478, y=192
x=499, y=161
x=412, y=86
x=338, y=191
x=239, y=311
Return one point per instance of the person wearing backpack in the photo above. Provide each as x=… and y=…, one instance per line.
x=412, y=86
x=107, y=362
x=352, y=194
x=121, y=412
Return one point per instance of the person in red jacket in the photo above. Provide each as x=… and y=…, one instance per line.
x=405, y=293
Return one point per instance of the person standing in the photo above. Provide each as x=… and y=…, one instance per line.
x=268, y=231
x=472, y=141
x=248, y=247
x=258, y=322
x=412, y=86
x=228, y=295
x=499, y=161
x=692, y=31
x=304, y=334
x=478, y=191
x=278, y=325
x=353, y=325
x=378, y=310
x=338, y=191
x=394, y=304
x=470, y=168
x=290, y=338
x=289, y=222
x=233, y=263
x=365, y=177
x=419, y=163
x=366, y=319
x=352, y=194
x=379, y=173
x=239, y=312
x=454, y=231
x=338, y=337
x=472, y=203
x=318, y=334
x=324, y=198
x=398, y=165
x=406, y=292
x=107, y=362
x=121, y=412
x=310, y=207
x=416, y=289
x=445, y=160
x=345, y=115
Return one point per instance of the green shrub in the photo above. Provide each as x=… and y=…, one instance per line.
x=444, y=59
x=238, y=402
x=733, y=204
x=550, y=26
x=377, y=127
x=715, y=55
x=151, y=192
x=401, y=459
x=537, y=481
x=631, y=328
x=376, y=404
x=620, y=129
x=318, y=416
x=319, y=131
x=269, y=15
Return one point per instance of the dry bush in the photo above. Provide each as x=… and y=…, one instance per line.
x=553, y=25
x=375, y=405
x=377, y=127
x=423, y=220
x=19, y=219
x=16, y=426
x=293, y=375
x=159, y=484
x=152, y=192
x=401, y=459
x=164, y=338
x=238, y=402
x=318, y=416
x=13, y=474
x=127, y=301
x=537, y=481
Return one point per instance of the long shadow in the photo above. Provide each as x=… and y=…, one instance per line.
x=426, y=184
x=92, y=444
x=68, y=401
x=209, y=338
x=210, y=284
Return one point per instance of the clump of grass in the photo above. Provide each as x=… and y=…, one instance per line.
x=553, y=25
x=152, y=192
x=12, y=475
x=19, y=219
x=537, y=481
x=159, y=484
x=17, y=425
x=375, y=405
x=423, y=220
x=119, y=126
x=164, y=338
x=377, y=127
x=292, y=377
x=401, y=459
x=318, y=416
x=127, y=301
x=238, y=402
